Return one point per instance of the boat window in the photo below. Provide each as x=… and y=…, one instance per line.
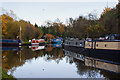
x=105, y=45
x=89, y=44
x=97, y=45
x=76, y=43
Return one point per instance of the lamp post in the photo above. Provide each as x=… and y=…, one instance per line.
x=20, y=36
x=20, y=32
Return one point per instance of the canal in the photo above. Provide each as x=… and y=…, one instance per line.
x=54, y=61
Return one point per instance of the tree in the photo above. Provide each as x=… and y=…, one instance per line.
x=38, y=33
x=109, y=20
x=12, y=30
x=61, y=28
x=5, y=19
x=96, y=30
x=36, y=25
x=29, y=32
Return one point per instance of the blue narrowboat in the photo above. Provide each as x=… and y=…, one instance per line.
x=10, y=42
x=57, y=40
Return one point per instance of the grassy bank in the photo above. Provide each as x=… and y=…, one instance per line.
x=46, y=42
x=26, y=42
x=5, y=76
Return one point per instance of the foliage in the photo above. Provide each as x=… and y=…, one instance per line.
x=5, y=76
x=5, y=19
x=11, y=29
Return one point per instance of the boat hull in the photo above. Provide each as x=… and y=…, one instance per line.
x=73, y=48
x=10, y=44
x=103, y=53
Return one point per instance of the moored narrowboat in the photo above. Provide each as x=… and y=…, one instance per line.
x=36, y=42
x=57, y=40
x=108, y=45
x=74, y=43
x=10, y=42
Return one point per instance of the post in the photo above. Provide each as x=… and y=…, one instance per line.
x=20, y=32
x=20, y=37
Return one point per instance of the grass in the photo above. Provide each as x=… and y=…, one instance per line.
x=26, y=42
x=5, y=76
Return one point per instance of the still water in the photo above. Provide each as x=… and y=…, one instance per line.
x=53, y=61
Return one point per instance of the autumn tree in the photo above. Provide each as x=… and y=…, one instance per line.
x=109, y=20
x=29, y=32
x=12, y=30
x=5, y=19
x=61, y=29
x=38, y=33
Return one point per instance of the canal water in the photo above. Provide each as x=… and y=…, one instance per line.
x=53, y=61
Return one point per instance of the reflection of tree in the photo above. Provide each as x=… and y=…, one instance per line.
x=56, y=54
x=69, y=60
x=49, y=48
x=110, y=75
x=12, y=59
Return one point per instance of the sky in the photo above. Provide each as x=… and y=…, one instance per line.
x=59, y=0
x=39, y=11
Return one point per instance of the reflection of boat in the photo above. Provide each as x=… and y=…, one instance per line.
x=57, y=40
x=10, y=48
x=57, y=45
x=74, y=55
x=34, y=48
x=102, y=64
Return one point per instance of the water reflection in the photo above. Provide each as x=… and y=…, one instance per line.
x=105, y=67
x=35, y=48
x=49, y=61
x=57, y=45
x=10, y=48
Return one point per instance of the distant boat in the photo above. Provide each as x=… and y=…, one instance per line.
x=57, y=40
x=10, y=42
x=37, y=41
x=74, y=43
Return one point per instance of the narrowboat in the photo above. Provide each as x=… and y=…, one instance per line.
x=74, y=45
x=10, y=42
x=36, y=42
x=108, y=45
x=57, y=40
x=74, y=42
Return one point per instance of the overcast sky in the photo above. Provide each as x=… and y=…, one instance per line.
x=59, y=0
x=39, y=12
